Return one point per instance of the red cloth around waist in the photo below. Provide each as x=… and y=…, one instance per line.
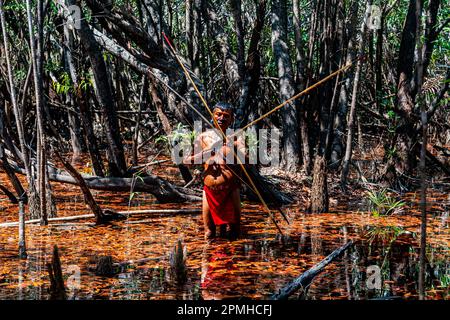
x=221, y=205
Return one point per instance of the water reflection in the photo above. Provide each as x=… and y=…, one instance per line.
x=255, y=266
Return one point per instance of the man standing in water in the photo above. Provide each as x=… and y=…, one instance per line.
x=221, y=204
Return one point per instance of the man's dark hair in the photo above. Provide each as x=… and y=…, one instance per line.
x=224, y=107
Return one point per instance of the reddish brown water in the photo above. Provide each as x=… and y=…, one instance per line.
x=255, y=266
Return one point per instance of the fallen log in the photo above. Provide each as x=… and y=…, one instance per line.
x=164, y=191
x=305, y=279
x=90, y=216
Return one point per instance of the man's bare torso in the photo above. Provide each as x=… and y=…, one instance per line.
x=218, y=169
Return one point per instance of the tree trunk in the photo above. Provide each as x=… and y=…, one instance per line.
x=33, y=203
x=319, y=188
x=88, y=198
x=250, y=83
x=403, y=161
x=184, y=171
x=300, y=81
x=116, y=157
x=286, y=85
x=81, y=105
x=37, y=61
x=22, y=234
x=350, y=124
x=188, y=30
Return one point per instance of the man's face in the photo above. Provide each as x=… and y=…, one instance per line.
x=223, y=118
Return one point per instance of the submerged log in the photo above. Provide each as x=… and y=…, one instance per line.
x=305, y=279
x=124, y=213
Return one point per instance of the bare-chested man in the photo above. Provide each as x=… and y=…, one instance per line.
x=221, y=198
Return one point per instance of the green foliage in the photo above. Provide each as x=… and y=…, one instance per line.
x=16, y=5
x=385, y=234
x=86, y=83
x=64, y=85
x=381, y=203
x=180, y=135
x=107, y=56
x=391, y=152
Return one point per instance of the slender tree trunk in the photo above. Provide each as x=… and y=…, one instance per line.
x=83, y=107
x=74, y=128
x=188, y=28
x=250, y=83
x=197, y=36
x=378, y=65
x=33, y=202
x=286, y=84
x=350, y=125
x=236, y=10
x=142, y=96
x=423, y=205
x=22, y=234
x=36, y=57
x=319, y=188
x=300, y=81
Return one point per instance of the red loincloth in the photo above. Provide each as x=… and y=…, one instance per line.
x=221, y=205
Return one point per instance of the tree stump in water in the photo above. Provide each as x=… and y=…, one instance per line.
x=319, y=190
x=177, y=260
x=57, y=288
x=104, y=266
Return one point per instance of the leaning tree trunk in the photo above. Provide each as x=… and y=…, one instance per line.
x=286, y=84
x=184, y=171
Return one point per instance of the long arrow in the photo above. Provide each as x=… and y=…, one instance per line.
x=298, y=95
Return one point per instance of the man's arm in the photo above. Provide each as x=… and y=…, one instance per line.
x=200, y=154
